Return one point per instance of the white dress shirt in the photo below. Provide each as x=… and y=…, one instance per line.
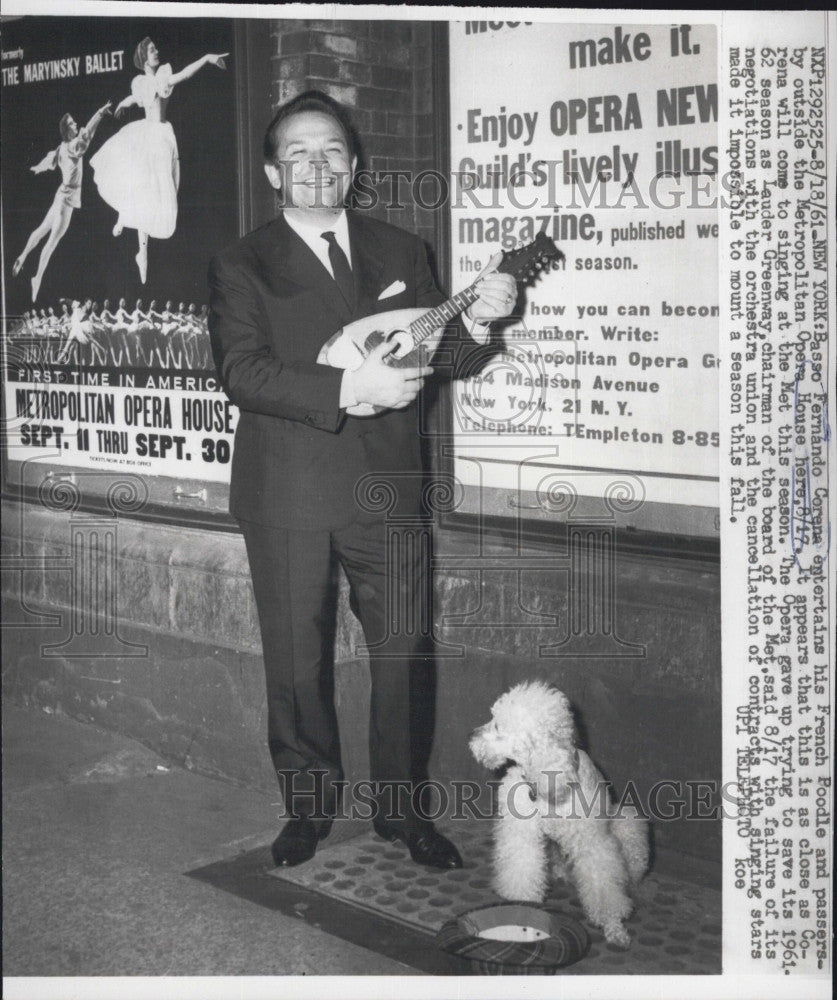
x=312, y=236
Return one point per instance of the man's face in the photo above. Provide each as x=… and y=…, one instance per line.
x=152, y=56
x=313, y=165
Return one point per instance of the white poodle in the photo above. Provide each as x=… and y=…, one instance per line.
x=553, y=792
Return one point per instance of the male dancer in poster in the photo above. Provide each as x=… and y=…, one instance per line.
x=68, y=159
x=300, y=461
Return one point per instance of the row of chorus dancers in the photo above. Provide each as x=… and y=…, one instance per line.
x=81, y=334
x=170, y=338
x=52, y=338
x=167, y=338
x=137, y=170
x=45, y=322
x=166, y=321
x=35, y=324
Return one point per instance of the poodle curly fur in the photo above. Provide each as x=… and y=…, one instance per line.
x=553, y=798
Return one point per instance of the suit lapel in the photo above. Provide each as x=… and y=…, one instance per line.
x=296, y=262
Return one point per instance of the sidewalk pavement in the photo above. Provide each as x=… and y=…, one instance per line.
x=98, y=832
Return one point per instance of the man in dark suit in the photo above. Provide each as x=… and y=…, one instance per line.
x=299, y=465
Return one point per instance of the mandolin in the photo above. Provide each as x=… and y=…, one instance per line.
x=415, y=333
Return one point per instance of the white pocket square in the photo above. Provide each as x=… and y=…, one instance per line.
x=394, y=289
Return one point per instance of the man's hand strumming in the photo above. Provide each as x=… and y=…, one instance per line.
x=377, y=383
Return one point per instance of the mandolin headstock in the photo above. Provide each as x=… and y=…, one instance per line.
x=527, y=261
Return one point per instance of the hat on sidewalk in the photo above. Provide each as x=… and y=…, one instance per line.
x=514, y=939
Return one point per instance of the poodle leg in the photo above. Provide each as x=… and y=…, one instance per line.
x=519, y=846
x=632, y=834
x=600, y=875
x=558, y=867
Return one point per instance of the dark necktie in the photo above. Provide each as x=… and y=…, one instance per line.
x=340, y=268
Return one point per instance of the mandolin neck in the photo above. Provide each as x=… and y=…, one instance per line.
x=429, y=322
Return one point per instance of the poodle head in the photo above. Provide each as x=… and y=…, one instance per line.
x=532, y=726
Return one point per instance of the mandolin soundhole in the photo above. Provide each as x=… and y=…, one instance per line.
x=404, y=354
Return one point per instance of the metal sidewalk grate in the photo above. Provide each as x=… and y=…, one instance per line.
x=675, y=928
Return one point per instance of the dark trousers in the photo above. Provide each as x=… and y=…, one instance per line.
x=389, y=575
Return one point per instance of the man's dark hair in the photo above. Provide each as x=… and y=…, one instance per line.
x=311, y=100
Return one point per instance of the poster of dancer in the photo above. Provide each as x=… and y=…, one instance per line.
x=68, y=159
x=119, y=176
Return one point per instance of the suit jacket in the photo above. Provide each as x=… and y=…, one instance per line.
x=298, y=456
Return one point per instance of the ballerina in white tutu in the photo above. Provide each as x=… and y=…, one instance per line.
x=137, y=171
x=68, y=158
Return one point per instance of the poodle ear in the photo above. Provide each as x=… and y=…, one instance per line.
x=562, y=716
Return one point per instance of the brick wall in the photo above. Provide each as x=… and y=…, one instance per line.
x=381, y=72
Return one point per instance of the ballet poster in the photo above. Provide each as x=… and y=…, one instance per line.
x=119, y=183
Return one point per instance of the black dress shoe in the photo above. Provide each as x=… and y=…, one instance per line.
x=426, y=845
x=297, y=842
